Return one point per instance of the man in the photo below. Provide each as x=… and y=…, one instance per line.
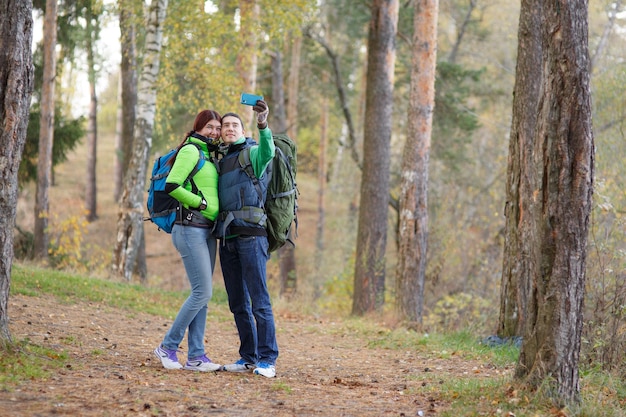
x=244, y=247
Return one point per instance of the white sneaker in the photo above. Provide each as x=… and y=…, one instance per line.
x=168, y=358
x=240, y=366
x=265, y=369
x=203, y=364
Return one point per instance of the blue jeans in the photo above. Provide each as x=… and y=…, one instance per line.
x=244, y=261
x=197, y=248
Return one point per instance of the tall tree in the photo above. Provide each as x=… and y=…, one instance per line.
x=413, y=213
x=286, y=254
x=16, y=87
x=369, y=274
x=46, y=132
x=557, y=240
x=293, y=86
x=247, y=59
x=523, y=174
x=130, y=215
x=128, y=90
x=93, y=11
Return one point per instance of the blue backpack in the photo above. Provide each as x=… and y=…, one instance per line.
x=163, y=208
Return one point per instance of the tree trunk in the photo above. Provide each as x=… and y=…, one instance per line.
x=128, y=75
x=293, y=87
x=369, y=274
x=91, y=191
x=523, y=174
x=247, y=58
x=130, y=215
x=413, y=213
x=564, y=145
x=286, y=254
x=46, y=133
x=117, y=159
x=322, y=173
x=16, y=87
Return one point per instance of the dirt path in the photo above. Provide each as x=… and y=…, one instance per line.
x=323, y=370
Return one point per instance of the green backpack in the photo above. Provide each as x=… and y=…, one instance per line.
x=281, y=203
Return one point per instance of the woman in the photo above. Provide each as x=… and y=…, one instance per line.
x=193, y=238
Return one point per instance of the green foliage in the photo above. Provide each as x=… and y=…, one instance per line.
x=454, y=120
x=67, y=134
x=337, y=292
x=200, y=55
x=457, y=311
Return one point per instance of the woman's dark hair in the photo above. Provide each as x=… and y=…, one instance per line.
x=202, y=118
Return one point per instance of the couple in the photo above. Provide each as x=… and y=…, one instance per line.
x=231, y=210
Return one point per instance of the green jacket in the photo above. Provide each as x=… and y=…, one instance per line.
x=262, y=154
x=205, y=179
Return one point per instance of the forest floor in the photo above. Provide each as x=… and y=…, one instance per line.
x=324, y=369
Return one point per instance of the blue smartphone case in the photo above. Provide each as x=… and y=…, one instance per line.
x=250, y=99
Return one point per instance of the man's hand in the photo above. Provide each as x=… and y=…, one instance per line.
x=261, y=111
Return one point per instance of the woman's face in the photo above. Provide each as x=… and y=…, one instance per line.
x=212, y=129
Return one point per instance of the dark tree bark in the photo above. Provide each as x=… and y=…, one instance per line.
x=413, y=213
x=46, y=133
x=369, y=274
x=523, y=175
x=91, y=189
x=128, y=79
x=16, y=87
x=286, y=254
x=564, y=147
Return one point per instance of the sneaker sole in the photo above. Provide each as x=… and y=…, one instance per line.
x=195, y=368
x=238, y=371
x=258, y=371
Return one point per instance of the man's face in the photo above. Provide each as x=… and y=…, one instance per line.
x=232, y=130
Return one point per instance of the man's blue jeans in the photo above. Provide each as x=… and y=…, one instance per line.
x=197, y=248
x=244, y=262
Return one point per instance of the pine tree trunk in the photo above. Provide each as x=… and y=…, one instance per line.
x=247, y=59
x=369, y=275
x=91, y=191
x=128, y=79
x=523, y=174
x=413, y=213
x=564, y=146
x=293, y=87
x=46, y=133
x=16, y=87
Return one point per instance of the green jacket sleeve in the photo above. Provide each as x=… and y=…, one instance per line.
x=186, y=161
x=261, y=155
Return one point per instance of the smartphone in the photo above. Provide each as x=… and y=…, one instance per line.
x=250, y=99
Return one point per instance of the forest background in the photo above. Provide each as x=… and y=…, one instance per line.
x=475, y=76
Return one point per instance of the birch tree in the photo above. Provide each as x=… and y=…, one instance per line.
x=413, y=213
x=16, y=87
x=131, y=208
